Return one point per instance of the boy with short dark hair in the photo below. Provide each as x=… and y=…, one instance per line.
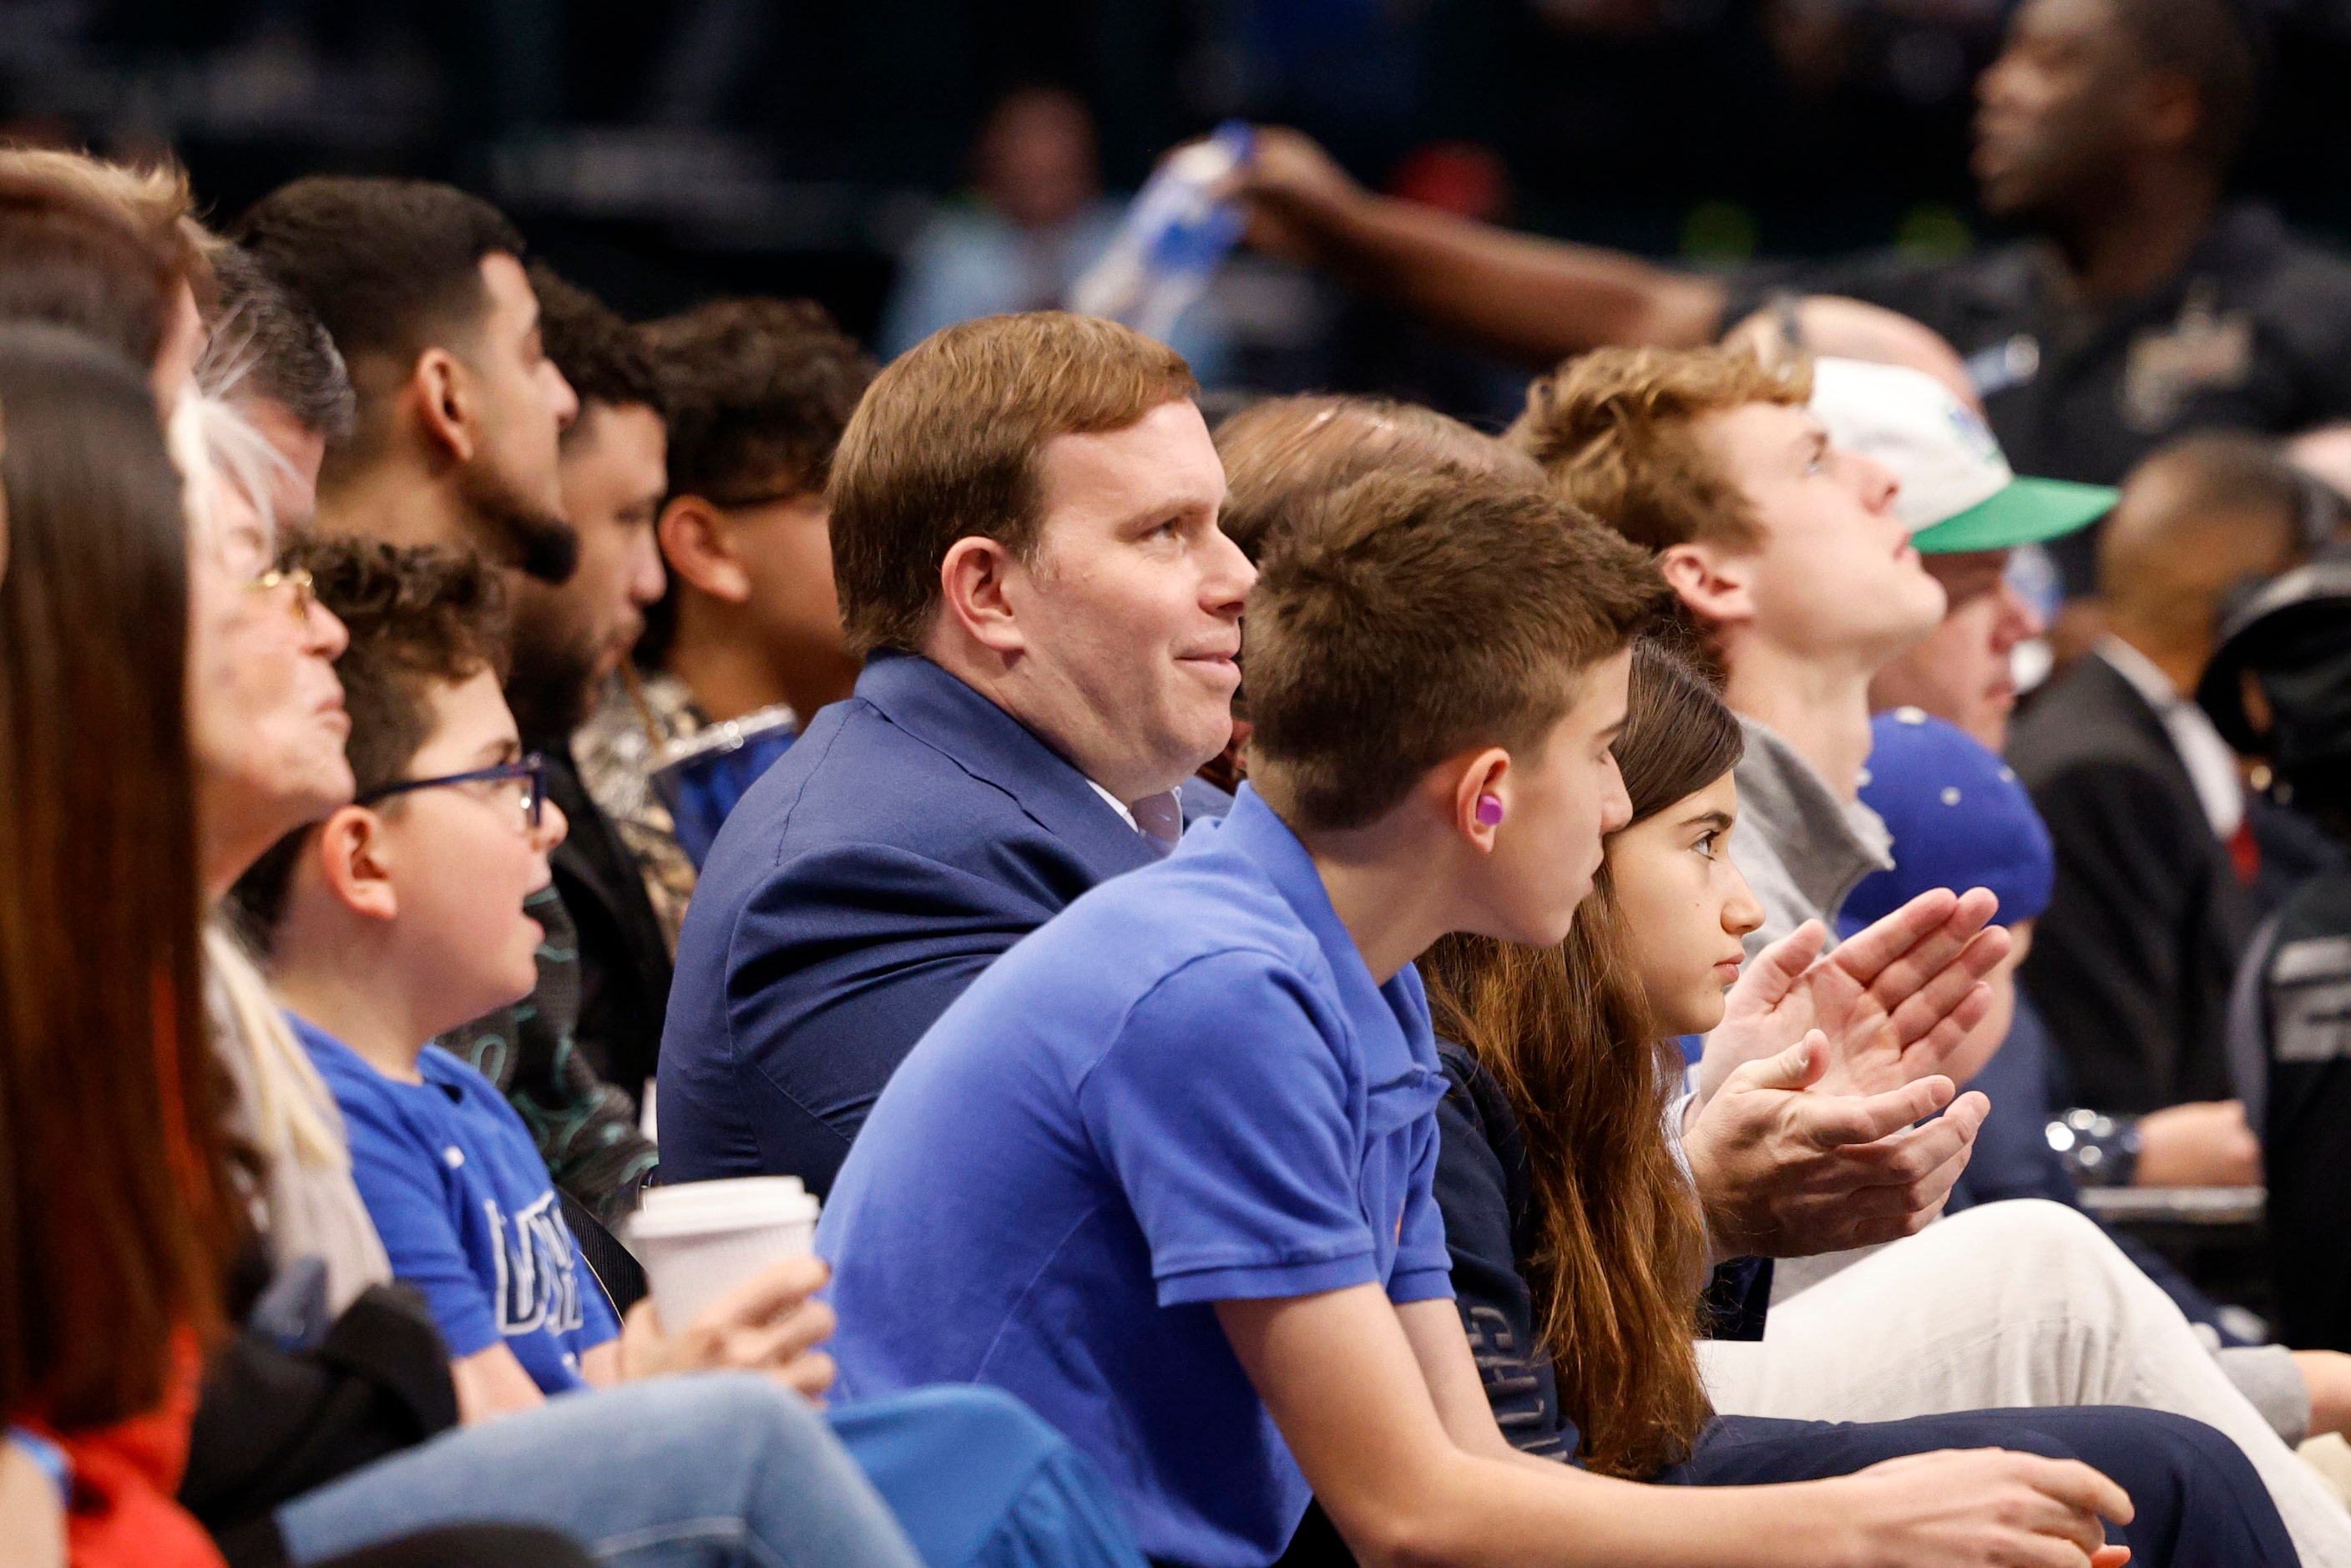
x=759, y=392
x=746, y=630
x=1164, y=1170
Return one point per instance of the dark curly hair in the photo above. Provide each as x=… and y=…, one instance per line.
x=757, y=392
x=419, y=616
x=605, y=360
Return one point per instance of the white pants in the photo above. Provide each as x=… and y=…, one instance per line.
x=2018, y=1303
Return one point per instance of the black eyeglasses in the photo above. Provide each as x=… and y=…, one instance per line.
x=531, y=773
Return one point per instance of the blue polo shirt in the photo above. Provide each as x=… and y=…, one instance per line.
x=462, y=1200
x=1184, y=1089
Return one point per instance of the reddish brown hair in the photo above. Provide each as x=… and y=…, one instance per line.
x=1280, y=453
x=947, y=445
x=114, y=1224
x=68, y=259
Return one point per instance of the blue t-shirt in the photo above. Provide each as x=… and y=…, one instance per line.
x=1182, y=1089
x=462, y=1200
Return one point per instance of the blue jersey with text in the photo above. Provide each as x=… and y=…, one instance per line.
x=462, y=1200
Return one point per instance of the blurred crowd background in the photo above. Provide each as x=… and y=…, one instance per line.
x=661, y=153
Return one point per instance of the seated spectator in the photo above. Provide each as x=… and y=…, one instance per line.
x=1786, y=555
x=406, y=908
x=576, y=1052
x=266, y=725
x=2276, y=688
x=2143, y=798
x=1554, y=1182
x=1967, y=513
x=422, y=288
x=399, y=916
x=758, y=391
x=103, y=1351
x=1155, y=1195
x=118, y=1219
x=1963, y=673
x=1024, y=536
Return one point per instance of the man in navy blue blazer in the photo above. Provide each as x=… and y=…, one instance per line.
x=1025, y=541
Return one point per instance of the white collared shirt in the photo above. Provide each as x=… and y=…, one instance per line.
x=2211, y=762
x=1159, y=817
x=1117, y=805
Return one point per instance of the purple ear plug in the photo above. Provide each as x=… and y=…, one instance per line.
x=1489, y=811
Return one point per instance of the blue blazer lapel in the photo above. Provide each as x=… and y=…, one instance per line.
x=997, y=749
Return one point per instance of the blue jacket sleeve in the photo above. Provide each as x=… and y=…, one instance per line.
x=835, y=968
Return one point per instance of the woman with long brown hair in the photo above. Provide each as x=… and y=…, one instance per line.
x=1579, y=1247
x=114, y=1216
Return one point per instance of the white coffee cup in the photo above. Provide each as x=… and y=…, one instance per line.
x=700, y=1240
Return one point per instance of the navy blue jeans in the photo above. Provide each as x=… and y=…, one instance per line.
x=2199, y=1504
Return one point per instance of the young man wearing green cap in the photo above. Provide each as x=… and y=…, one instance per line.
x=1967, y=513
x=1791, y=557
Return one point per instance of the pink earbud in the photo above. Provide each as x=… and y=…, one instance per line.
x=1489, y=811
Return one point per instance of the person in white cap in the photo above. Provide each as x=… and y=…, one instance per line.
x=1967, y=513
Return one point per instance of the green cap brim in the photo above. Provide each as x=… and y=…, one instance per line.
x=2027, y=512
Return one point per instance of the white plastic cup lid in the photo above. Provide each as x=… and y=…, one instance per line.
x=731, y=1203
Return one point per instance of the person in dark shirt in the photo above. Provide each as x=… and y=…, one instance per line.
x=2288, y=1030
x=2142, y=302
x=2145, y=801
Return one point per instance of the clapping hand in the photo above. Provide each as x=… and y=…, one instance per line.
x=1894, y=1000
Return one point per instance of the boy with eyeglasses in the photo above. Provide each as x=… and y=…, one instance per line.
x=401, y=916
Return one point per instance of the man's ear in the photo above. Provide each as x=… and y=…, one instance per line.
x=353, y=857
x=442, y=390
x=1713, y=585
x=697, y=541
x=977, y=585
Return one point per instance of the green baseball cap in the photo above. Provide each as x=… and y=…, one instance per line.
x=1957, y=490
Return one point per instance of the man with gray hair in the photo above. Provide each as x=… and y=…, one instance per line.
x=267, y=353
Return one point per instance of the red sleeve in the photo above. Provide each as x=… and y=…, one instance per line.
x=125, y=1476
